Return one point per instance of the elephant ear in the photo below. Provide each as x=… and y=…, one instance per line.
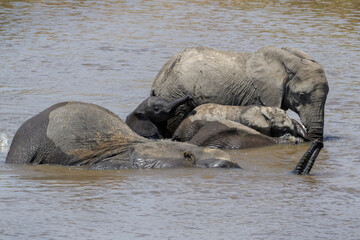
x=268, y=76
x=298, y=53
x=142, y=125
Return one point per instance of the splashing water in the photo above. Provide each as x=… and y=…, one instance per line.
x=3, y=142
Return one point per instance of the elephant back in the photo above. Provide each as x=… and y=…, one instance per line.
x=209, y=75
x=71, y=133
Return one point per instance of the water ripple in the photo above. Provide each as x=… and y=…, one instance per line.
x=107, y=52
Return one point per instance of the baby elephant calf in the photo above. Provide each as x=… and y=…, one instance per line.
x=149, y=119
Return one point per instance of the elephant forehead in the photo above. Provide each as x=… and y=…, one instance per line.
x=77, y=126
x=155, y=100
x=272, y=112
x=276, y=115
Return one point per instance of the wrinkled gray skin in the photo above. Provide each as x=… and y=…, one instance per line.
x=271, y=121
x=83, y=134
x=286, y=78
x=149, y=119
x=225, y=134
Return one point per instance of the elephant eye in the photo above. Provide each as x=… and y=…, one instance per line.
x=302, y=96
x=156, y=108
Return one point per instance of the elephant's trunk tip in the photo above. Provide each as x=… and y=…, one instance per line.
x=308, y=159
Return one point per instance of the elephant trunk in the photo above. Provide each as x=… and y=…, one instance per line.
x=316, y=131
x=313, y=119
x=308, y=159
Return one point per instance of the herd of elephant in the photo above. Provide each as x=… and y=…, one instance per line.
x=202, y=101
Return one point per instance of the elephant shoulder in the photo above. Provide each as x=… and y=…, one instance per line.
x=268, y=75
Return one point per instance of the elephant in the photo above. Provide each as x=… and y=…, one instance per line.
x=286, y=78
x=270, y=121
x=90, y=136
x=150, y=117
x=225, y=134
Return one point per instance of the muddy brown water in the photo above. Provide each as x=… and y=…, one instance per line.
x=108, y=52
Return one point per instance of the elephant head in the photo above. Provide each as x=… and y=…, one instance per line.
x=149, y=118
x=168, y=154
x=290, y=79
x=159, y=110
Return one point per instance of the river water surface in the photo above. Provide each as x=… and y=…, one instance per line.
x=108, y=52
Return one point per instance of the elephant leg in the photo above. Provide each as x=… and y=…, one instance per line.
x=308, y=159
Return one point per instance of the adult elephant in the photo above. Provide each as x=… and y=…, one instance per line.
x=87, y=135
x=286, y=78
x=90, y=136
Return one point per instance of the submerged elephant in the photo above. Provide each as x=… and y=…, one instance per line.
x=286, y=78
x=270, y=121
x=225, y=134
x=150, y=117
x=83, y=134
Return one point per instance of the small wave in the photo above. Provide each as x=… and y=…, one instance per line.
x=287, y=137
x=3, y=142
x=331, y=138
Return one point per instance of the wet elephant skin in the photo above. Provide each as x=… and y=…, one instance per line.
x=83, y=134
